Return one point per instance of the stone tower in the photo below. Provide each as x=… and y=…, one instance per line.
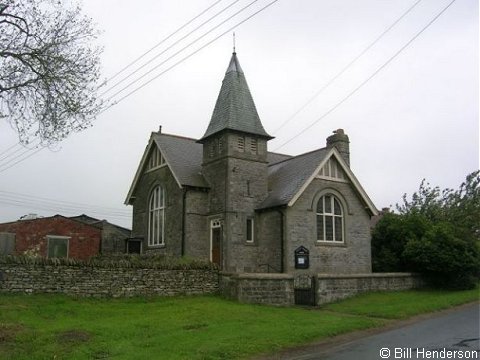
x=235, y=166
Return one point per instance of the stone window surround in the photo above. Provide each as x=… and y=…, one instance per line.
x=160, y=210
x=345, y=211
x=252, y=228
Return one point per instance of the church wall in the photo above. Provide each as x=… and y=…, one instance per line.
x=238, y=180
x=352, y=256
x=197, y=236
x=173, y=211
x=269, y=241
x=247, y=187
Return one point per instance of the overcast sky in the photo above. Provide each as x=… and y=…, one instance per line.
x=416, y=118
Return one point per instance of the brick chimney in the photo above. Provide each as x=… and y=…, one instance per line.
x=340, y=141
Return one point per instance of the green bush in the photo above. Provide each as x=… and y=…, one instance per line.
x=435, y=233
x=390, y=237
x=444, y=259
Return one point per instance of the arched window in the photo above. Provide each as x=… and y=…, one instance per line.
x=156, y=217
x=329, y=219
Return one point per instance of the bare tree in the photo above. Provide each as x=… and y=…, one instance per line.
x=49, y=69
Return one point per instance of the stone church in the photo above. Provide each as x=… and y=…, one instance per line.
x=226, y=198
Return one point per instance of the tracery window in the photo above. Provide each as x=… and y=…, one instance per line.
x=330, y=219
x=156, y=217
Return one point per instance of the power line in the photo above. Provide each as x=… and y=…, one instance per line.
x=70, y=212
x=20, y=196
x=8, y=149
x=12, y=152
x=181, y=50
x=25, y=158
x=350, y=94
x=48, y=207
x=163, y=40
x=17, y=156
x=9, y=157
x=190, y=55
x=129, y=65
x=168, y=69
x=168, y=48
x=332, y=80
x=40, y=206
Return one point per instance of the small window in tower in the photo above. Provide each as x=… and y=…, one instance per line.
x=250, y=230
x=253, y=146
x=220, y=145
x=241, y=144
x=212, y=149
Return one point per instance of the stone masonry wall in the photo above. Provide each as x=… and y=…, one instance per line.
x=271, y=289
x=353, y=256
x=105, y=282
x=331, y=288
x=278, y=289
x=173, y=211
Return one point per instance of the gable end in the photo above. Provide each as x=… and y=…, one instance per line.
x=151, y=160
x=344, y=169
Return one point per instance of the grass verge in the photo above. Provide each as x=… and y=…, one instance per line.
x=403, y=304
x=58, y=327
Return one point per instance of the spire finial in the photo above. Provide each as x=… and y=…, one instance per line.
x=234, y=42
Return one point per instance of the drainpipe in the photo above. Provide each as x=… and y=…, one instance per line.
x=184, y=221
x=282, y=240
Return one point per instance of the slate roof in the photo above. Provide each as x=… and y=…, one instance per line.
x=273, y=158
x=286, y=174
x=184, y=155
x=235, y=109
x=285, y=178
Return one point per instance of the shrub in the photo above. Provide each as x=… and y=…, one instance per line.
x=436, y=234
x=443, y=258
x=390, y=237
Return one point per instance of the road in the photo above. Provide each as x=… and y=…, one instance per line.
x=454, y=330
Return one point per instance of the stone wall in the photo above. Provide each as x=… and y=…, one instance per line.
x=331, y=288
x=278, y=289
x=173, y=211
x=271, y=289
x=105, y=282
x=260, y=288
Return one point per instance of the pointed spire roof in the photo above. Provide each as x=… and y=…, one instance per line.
x=235, y=109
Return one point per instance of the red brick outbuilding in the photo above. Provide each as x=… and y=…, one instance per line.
x=55, y=236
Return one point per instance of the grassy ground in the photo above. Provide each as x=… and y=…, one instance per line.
x=403, y=304
x=57, y=327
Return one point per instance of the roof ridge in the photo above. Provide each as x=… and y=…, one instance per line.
x=292, y=157
x=277, y=153
x=175, y=136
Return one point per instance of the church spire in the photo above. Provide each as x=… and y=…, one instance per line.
x=235, y=109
